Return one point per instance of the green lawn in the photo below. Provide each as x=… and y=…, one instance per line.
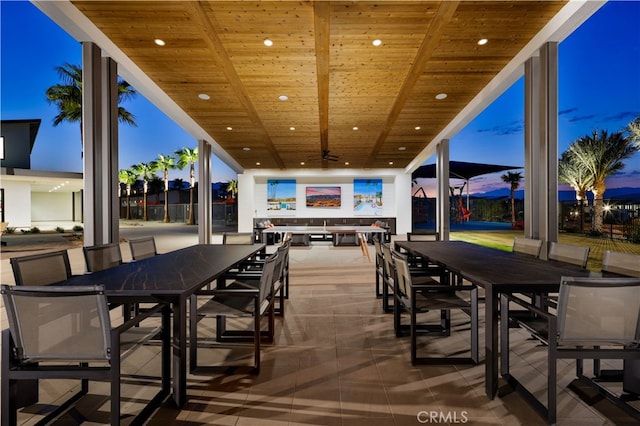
x=503, y=240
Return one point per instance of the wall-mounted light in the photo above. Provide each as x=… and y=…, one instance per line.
x=1, y=147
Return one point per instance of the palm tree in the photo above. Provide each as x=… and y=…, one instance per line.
x=166, y=162
x=128, y=177
x=573, y=172
x=232, y=187
x=189, y=157
x=513, y=179
x=634, y=130
x=145, y=171
x=602, y=155
x=68, y=97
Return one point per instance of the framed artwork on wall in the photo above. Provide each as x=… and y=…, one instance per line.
x=281, y=195
x=367, y=197
x=324, y=196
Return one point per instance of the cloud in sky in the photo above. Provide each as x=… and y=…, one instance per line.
x=567, y=111
x=630, y=115
x=581, y=118
x=512, y=128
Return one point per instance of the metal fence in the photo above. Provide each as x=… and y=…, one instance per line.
x=621, y=218
x=222, y=214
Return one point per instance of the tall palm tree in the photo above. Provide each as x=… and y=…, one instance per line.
x=634, y=130
x=145, y=171
x=127, y=177
x=67, y=96
x=573, y=172
x=166, y=162
x=189, y=157
x=232, y=187
x=602, y=154
x=513, y=179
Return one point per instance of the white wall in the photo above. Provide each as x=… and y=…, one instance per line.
x=17, y=204
x=252, y=194
x=51, y=206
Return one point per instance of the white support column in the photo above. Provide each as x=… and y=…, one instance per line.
x=548, y=185
x=204, y=192
x=246, y=202
x=442, y=200
x=92, y=144
x=531, y=152
x=109, y=179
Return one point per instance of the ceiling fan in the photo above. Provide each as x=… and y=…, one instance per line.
x=325, y=156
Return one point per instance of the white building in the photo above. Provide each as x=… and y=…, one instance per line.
x=29, y=197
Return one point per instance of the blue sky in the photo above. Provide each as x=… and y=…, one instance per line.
x=599, y=69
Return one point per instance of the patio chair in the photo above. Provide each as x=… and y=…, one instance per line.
x=565, y=253
x=615, y=263
x=528, y=246
x=41, y=269
x=103, y=256
x=389, y=276
x=429, y=295
x=237, y=238
x=142, y=248
x=622, y=264
x=251, y=277
x=419, y=236
x=379, y=266
x=65, y=333
x=592, y=312
x=236, y=301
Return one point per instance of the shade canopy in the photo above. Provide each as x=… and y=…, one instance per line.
x=461, y=170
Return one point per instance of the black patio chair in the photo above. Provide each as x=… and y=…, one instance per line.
x=597, y=318
x=65, y=333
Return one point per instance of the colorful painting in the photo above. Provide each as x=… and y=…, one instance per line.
x=324, y=196
x=281, y=195
x=367, y=197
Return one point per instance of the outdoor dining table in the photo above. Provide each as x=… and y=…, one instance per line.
x=170, y=278
x=496, y=271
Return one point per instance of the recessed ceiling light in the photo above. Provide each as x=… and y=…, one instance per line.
x=283, y=97
x=268, y=42
x=376, y=42
x=346, y=163
x=204, y=96
x=302, y=163
x=391, y=163
x=355, y=127
x=441, y=96
x=229, y=128
x=246, y=148
x=159, y=42
x=417, y=127
x=402, y=148
x=258, y=163
x=482, y=41
x=292, y=128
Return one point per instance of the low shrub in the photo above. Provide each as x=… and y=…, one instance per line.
x=77, y=228
x=59, y=229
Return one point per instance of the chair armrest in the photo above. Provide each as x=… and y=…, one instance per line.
x=235, y=291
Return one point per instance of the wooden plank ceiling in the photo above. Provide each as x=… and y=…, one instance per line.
x=323, y=60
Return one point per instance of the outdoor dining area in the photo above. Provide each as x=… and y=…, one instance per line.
x=456, y=330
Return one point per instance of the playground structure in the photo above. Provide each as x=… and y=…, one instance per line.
x=459, y=213
x=457, y=170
